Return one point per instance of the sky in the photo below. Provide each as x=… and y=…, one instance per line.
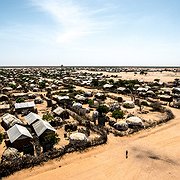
x=90, y=32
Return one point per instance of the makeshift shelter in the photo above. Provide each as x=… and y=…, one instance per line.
x=8, y=120
x=121, y=126
x=4, y=107
x=24, y=106
x=176, y=90
x=121, y=90
x=88, y=94
x=32, y=118
x=78, y=139
x=80, y=98
x=19, y=137
x=77, y=105
x=107, y=86
x=63, y=100
x=42, y=127
x=62, y=113
x=134, y=121
x=3, y=97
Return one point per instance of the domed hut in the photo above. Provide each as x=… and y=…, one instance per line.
x=78, y=139
x=134, y=122
x=121, y=126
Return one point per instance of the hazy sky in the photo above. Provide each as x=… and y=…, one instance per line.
x=90, y=32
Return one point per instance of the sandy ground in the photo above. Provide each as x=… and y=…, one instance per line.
x=164, y=76
x=153, y=154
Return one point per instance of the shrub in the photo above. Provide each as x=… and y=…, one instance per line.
x=51, y=138
x=118, y=114
x=90, y=102
x=103, y=109
x=48, y=116
x=19, y=100
x=12, y=85
x=42, y=84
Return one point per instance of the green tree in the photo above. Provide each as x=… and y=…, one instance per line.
x=42, y=84
x=19, y=100
x=90, y=102
x=118, y=114
x=50, y=138
x=48, y=117
x=103, y=109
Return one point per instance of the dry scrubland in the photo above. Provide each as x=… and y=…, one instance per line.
x=153, y=153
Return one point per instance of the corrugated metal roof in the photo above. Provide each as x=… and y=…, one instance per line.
x=18, y=132
x=32, y=117
x=41, y=126
x=24, y=105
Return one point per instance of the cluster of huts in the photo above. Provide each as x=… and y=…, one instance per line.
x=23, y=89
x=21, y=135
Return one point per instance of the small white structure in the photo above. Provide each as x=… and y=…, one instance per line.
x=134, y=121
x=77, y=105
x=9, y=120
x=80, y=98
x=108, y=86
x=24, y=105
x=78, y=139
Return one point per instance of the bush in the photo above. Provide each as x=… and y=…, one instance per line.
x=118, y=114
x=42, y=84
x=50, y=139
x=48, y=116
x=103, y=109
x=19, y=100
x=90, y=102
